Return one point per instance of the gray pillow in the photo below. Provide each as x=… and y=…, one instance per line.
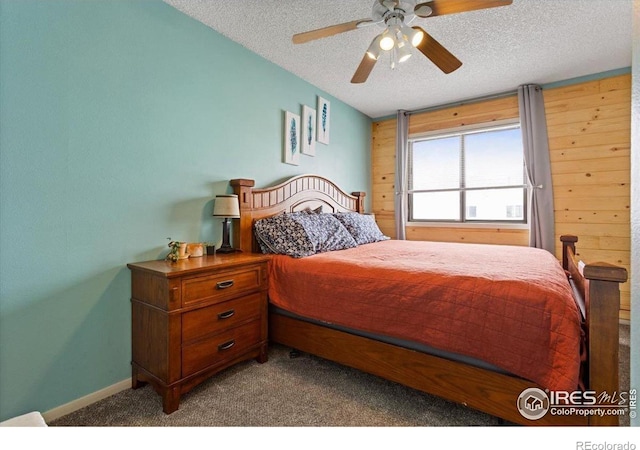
x=362, y=227
x=317, y=210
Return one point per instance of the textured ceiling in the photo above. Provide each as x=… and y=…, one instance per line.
x=530, y=41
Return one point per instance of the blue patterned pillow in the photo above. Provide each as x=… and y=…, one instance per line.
x=282, y=234
x=362, y=227
x=302, y=234
x=326, y=232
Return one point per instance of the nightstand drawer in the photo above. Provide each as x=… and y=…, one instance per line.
x=204, y=321
x=220, y=347
x=221, y=286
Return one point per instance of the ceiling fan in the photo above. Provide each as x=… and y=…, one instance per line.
x=398, y=37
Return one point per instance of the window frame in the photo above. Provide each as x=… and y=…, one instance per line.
x=464, y=221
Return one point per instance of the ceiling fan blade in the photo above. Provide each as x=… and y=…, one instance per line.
x=439, y=55
x=364, y=69
x=301, y=38
x=442, y=7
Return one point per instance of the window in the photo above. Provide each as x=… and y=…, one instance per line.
x=473, y=175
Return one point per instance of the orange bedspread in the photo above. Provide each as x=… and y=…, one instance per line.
x=509, y=306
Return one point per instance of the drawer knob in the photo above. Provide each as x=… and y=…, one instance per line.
x=224, y=284
x=226, y=314
x=226, y=345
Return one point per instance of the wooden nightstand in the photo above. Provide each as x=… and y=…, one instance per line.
x=193, y=318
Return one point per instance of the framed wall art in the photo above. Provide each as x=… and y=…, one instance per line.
x=291, y=138
x=323, y=120
x=308, y=131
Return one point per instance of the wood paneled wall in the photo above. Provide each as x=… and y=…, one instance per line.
x=589, y=127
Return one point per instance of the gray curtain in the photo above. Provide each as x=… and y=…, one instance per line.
x=402, y=155
x=533, y=124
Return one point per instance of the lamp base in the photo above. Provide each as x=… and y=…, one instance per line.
x=226, y=245
x=224, y=249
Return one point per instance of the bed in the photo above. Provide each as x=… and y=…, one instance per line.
x=485, y=356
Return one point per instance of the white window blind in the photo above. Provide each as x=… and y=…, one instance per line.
x=472, y=175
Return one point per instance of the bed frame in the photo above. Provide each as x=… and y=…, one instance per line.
x=596, y=286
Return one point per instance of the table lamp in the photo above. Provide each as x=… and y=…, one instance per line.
x=226, y=206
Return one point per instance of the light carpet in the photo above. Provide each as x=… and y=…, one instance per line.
x=294, y=392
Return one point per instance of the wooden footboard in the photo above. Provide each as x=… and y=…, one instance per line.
x=598, y=285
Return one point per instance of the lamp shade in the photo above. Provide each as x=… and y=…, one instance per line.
x=412, y=35
x=403, y=52
x=226, y=206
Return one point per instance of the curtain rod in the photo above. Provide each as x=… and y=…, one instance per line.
x=463, y=102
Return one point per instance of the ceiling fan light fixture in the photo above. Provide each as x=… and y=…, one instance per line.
x=412, y=35
x=397, y=36
x=374, y=49
x=403, y=53
x=387, y=41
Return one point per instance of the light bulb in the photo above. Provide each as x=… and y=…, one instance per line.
x=412, y=35
x=417, y=38
x=387, y=42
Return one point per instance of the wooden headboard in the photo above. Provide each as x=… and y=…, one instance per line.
x=294, y=194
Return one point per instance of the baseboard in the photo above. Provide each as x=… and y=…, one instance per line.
x=75, y=405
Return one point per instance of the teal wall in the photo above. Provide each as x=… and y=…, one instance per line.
x=119, y=122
